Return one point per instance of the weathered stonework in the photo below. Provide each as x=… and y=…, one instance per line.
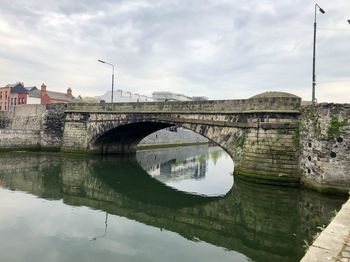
x=23, y=139
x=258, y=133
x=32, y=127
x=268, y=136
x=325, y=154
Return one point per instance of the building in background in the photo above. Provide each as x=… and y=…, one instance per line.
x=34, y=95
x=4, y=97
x=50, y=97
x=164, y=96
x=121, y=96
x=199, y=98
x=12, y=95
x=18, y=95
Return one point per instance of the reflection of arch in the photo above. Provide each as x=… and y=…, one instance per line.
x=135, y=183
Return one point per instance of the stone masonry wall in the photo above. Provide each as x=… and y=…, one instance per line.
x=325, y=139
x=21, y=139
x=32, y=126
x=3, y=120
x=263, y=104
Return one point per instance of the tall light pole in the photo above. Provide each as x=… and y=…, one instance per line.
x=104, y=62
x=314, y=54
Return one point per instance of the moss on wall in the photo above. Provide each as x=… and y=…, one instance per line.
x=296, y=125
x=334, y=127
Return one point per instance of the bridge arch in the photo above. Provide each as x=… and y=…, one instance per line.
x=124, y=137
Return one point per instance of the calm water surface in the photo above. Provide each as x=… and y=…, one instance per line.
x=179, y=204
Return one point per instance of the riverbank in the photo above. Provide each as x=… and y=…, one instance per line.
x=333, y=244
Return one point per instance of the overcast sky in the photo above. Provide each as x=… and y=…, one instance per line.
x=224, y=49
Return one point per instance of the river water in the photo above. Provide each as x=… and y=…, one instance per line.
x=178, y=204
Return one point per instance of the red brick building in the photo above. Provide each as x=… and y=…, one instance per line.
x=18, y=95
x=50, y=97
x=4, y=97
x=12, y=95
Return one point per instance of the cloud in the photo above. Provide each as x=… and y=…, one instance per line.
x=221, y=49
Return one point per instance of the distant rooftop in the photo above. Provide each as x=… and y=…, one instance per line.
x=60, y=96
x=273, y=94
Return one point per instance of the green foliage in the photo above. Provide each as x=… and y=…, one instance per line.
x=240, y=140
x=297, y=130
x=334, y=128
x=215, y=155
x=276, y=141
x=307, y=245
x=202, y=158
x=317, y=127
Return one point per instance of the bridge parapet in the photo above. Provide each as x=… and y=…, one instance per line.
x=256, y=104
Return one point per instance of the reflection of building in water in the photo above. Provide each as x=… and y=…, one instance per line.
x=154, y=170
x=174, y=170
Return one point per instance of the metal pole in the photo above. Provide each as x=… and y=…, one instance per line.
x=104, y=62
x=314, y=55
x=314, y=64
x=112, y=85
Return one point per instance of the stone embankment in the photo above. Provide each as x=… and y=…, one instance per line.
x=34, y=127
x=333, y=244
x=325, y=152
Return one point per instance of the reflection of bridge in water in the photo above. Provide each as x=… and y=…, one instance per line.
x=255, y=221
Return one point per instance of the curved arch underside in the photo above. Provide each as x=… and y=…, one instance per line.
x=124, y=138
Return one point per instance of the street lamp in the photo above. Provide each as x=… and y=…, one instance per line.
x=104, y=62
x=314, y=54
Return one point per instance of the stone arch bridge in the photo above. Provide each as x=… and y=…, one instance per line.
x=258, y=133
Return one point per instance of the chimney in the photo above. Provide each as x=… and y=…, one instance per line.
x=69, y=91
x=43, y=89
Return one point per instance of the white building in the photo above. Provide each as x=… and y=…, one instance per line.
x=121, y=96
x=34, y=96
x=169, y=96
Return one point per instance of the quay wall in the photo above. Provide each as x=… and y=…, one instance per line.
x=32, y=127
x=325, y=147
x=19, y=139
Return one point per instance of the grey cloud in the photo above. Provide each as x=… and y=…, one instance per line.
x=222, y=49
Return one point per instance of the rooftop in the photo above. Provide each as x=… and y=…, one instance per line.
x=273, y=94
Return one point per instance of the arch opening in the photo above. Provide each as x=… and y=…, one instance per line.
x=124, y=138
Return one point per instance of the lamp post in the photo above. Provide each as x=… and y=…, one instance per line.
x=104, y=62
x=314, y=54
